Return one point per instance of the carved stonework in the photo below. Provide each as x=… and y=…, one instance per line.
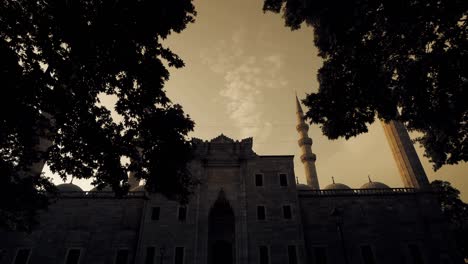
x=222, y=139
x=222, y=150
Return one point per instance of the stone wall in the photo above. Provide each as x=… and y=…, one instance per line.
x=388, y=222
x=167, y=232
x=97, y=226
x=275, y=231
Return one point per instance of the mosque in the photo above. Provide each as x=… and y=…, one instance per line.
x=247, y=209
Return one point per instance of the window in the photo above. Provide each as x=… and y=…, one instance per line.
x=320, y=255
x=292, y=255
x=287, y=212
x=155, y=214
x=261, y=212
x=415, y=253
x=283, y=179
x=264, y=258
x=73, y=256
x=367, y=256
x=22, y=256
x=258, y=179
x=182, y=213
x=149, y=255
x=122, y=256
x=179, y=255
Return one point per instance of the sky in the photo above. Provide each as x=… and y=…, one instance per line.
x=242, y=70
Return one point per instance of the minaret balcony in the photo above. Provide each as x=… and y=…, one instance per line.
x=305, y=141
x=308, y=157
x=302, y=127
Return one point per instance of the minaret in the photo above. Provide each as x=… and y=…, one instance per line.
x=409, y=165
x=305, y=143
x=132, y=180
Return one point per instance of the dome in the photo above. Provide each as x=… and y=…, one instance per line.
x=104, y=192
x=69, y=190
x=302, y=187
x=105, y=189
x=374, y=185
x=68, y=187
x=337, y=186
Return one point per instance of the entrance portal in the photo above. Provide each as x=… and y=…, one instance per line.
x=221, y=232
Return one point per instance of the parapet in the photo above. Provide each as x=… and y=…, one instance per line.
x=223, y=147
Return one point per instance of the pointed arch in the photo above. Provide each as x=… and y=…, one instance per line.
x=221, y=231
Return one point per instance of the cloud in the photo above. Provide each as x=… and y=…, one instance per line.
x=247, y=79
x=275, y=60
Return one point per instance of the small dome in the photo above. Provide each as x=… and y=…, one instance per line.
x=68, y=187
x=374, y=185
x=105, y=189
x=337, y=186
x=303, y=187
x=140, y=188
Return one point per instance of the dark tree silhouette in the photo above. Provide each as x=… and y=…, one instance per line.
x=456, y=211
x=58, y=58
x=395, y=60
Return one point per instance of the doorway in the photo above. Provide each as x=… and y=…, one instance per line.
x=221, y=232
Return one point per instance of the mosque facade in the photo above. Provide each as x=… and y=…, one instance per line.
x=247, y=209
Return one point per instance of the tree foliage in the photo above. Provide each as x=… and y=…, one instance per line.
x=456, y=211
x=391, y=59
x=58, y=60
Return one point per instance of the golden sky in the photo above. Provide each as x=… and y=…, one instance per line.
x=242, y=68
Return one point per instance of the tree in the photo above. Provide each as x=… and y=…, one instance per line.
x=58, y=59
x=400, y=60
x=456, y=211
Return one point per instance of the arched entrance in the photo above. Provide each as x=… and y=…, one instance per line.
x=221, y=232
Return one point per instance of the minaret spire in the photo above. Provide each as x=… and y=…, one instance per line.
x=411, y=171
x=305, y=143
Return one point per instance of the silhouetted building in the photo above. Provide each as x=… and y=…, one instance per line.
x=248, y=209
